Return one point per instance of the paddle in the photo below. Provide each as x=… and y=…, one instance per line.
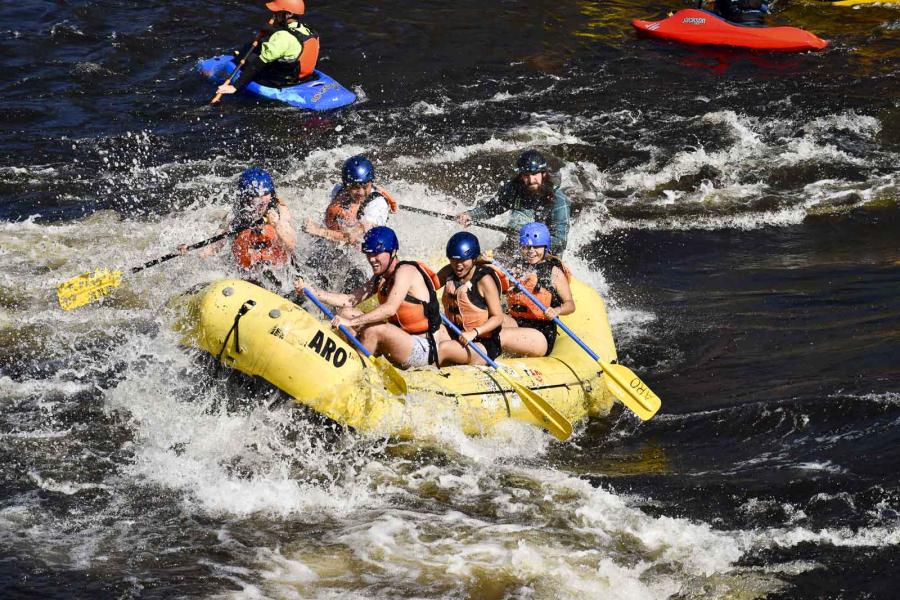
x=558, y=426
x=90, y=287
x=621, y=381
x=446, y=217
x=395, y=382
x=243, y=61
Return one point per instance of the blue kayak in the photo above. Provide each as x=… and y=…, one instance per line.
x=319, y=92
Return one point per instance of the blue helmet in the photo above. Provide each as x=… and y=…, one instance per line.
x=380, y=239
x=357, y=169
x=534, y=234
x=463, y=246
x=255, y=182
x=532, y=161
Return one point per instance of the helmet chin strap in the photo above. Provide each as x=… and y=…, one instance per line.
x=387, y=269
x=282, y=18
x=470, y=271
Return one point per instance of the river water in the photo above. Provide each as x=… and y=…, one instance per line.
x=739, y=212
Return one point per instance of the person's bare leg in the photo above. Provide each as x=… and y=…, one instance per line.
x=452, y=353
x=389, y=341
x=523, y=341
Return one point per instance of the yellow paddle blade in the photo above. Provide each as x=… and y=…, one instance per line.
x=628, y=387
x=394, y=381
x=558, y=426
x=87, y=288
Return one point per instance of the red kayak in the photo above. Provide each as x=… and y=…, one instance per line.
x=701, y=27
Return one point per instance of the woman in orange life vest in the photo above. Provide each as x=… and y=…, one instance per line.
x=406, y=327
x=261, y=227
x=533, y=332
x=471, y=300
x=286, y=56
x=357, y=204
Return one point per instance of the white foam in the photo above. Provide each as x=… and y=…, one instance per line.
x=63, y=487
x=876, y=537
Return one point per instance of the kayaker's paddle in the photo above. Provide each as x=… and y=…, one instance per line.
x=446, y=217
x=558, y=426
x=90, y=287
x=243, y=61
x=396, y=384
x=622, y=382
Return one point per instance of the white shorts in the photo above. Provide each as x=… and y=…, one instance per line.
x=418, y=357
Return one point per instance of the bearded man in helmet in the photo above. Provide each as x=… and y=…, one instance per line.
x=530, y=196
x=286, y=56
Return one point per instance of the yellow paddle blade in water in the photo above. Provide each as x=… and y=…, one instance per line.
x=87, y=288
x=558, y=426
x=628, y=387
x=393, y=380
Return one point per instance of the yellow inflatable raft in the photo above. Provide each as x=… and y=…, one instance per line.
x=263, y=335
x=861, y=2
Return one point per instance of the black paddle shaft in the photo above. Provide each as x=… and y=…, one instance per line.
x=163, y=259
x=446, y=217
x=194, y=246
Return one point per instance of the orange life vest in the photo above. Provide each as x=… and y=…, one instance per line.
x=539, y=282
x=414, y=316
x=342, y=213
x=464, y=304
x=309, y=53
x=259, y=244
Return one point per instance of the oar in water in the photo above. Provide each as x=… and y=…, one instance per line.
x=446, y=217
x=395, y=382
x=243, y=61
x=558, y=426
x=90, y=287
x=621, y=381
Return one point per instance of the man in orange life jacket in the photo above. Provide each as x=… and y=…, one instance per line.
x=261, y=230
x=406, y=327
x=529, y=331
x=286, y=56
x=471, y=300
x=357, y=205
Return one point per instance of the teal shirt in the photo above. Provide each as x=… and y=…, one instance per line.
x=555, y=215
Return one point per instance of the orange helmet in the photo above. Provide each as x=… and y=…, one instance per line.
x=292, y=6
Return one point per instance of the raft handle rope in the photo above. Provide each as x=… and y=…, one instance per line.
x=243, y=310
x=585, y=385
x=501, y=390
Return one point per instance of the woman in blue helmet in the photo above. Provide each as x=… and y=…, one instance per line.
x=356, y=206
x=471, y=299
x=261, y=229
x=406, y=327
x=545, y=276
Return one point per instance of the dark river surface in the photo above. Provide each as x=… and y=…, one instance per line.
x=739, y=213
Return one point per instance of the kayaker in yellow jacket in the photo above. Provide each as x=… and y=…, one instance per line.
x=287, y=56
